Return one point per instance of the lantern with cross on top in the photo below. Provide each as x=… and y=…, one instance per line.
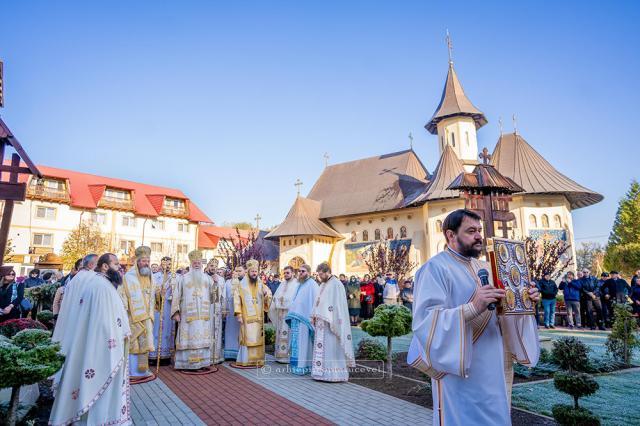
x=488, y=193
x=10, y=189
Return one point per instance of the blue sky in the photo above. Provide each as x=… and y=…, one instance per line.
x=231, y=102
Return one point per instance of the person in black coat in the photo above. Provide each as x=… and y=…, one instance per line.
x=548, y=290
x=11, y=294
x=590, y=297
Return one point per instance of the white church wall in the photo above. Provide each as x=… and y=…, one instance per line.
x=434, y=213
x=460, y=133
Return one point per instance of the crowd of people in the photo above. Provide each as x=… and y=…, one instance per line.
x=589, y=300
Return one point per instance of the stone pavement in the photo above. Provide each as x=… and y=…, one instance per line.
x=153, y=403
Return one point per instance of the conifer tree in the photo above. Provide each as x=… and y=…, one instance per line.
x=623, y=250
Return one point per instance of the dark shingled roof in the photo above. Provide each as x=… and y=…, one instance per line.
x=485, y=176
x=516, y=159
x=454, y=103
x=303, y=219
x=373, y=184
x=449, y=167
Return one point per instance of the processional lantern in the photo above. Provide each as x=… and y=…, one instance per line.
x=10, y=189
x=488, y=193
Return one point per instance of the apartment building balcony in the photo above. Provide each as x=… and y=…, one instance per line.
x=116, y=203
x=37, y=192
x=179, y=212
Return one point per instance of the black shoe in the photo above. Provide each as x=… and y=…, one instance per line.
x=552, y=326
x=546, y=326
x=592, y=328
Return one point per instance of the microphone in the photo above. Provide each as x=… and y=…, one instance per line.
x=483, y=274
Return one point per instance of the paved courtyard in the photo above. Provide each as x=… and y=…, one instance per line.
x=265, y=396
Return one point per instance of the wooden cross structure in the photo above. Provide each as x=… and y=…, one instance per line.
x=488, y=193
x=10, y=189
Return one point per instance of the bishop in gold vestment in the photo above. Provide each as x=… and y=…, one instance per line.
x=190, y=307
x=138, y=295
x=251, y=299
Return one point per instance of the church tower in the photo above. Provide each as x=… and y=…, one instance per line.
x=456, y=120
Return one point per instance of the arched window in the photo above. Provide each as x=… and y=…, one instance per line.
x=403, y=232
x=439, y=225
x=376, y=234
x=545, y=221
x=557, y=222
x=390, y=233
x=354, y=236
x=468, y=143
x=365, y=235
x=533, y=222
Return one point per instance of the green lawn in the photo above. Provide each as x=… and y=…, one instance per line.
x=616, y=402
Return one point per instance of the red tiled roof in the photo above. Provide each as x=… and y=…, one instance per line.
x=86, y=191
x=209, y=236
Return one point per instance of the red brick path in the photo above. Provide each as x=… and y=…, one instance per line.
x=221, y=399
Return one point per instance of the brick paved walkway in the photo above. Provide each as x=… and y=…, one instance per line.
x=221, y=398
x=342, y=403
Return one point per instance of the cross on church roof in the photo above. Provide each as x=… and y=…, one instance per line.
x=410, y=140
x=257, y=219
x=485, y=156
x=515, y=124
x=450, y=47
x=326, y=159
x=298, y=184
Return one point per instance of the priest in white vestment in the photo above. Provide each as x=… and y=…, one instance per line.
x=251, y=299
x=163, y=340
x=190, y=307
x=231, y=323
x=464, y=347
x=139, y=298
x=332, y=343
x=299, y=323
x=278, y=312
x=217, y=302
x=94, y=382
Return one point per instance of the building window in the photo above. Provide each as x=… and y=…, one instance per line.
x=354, y=236
x=174, y=203
x=158, y=224
x=129, y=221
x=468, y=142
x=403, y=232
x=183, y=227
x=127, y=246
x=557, y=222
x=376, y=234
x=43, y=240
x=439, y=225
x=183, y=248
x=117, y=194
x=156, y=247
x=545, y=221
x=365, y=235
x=533, y=222
x=390, y=233
x=453, y=139
x=45, y=212
x=98, y=218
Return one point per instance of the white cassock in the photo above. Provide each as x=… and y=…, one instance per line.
x=300, y=328
x=163, y=281
x=468, y=356
x=216, y=308
x=278, y=312
x=332, y=343
x=94, y=381
x=231, y=324
x=192, y=298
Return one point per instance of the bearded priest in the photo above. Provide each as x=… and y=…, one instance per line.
x=190, y=307
x=300, y=329
x=278, y=312
x=333, y=347
x=217, y=302
x=138, y=294
x=251, y=299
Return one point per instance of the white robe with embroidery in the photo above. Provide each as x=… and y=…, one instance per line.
x=231, y=324
x=217, y=355
x=278, y=312
x=94, y=382
x=463, y=351
x=332, y=343
x=301, y=331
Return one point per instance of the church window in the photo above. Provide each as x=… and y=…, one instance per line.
x=390, y=233
x=284, y=243
x=533, y=222
x=545, y=221
x=439, y=225
x=376, y=234
x=403, y=232
x=557, y=222
x=453, y=139
x=365, y=235
x=354, y=236
x=468, y=143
